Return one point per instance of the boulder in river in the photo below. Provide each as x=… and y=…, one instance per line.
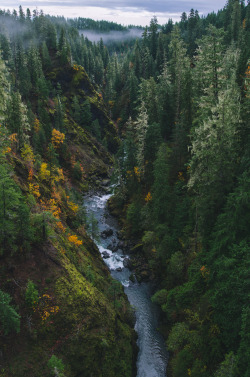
x=105, y=255
x=113, y=245
x=119, y=269
x=132, y=278
x=127, y=263
x=107, y=233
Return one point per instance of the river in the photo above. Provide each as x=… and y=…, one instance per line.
x=152, y=356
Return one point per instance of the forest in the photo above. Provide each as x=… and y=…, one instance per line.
x=166, y=118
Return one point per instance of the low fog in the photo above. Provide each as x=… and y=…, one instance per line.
x=112, y=35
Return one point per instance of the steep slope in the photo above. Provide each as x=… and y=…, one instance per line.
x=52, y=278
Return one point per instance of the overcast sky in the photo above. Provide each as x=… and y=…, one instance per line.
x=137, y=12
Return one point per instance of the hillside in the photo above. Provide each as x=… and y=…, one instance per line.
x=55, y=287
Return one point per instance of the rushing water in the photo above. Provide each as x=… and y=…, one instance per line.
x=152, y=356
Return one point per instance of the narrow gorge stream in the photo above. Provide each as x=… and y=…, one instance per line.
x=152, y=356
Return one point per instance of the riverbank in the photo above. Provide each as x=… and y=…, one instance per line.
x=118, y=256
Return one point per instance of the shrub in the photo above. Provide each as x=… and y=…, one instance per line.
x=9, y=318
x=56, y=365
x=31, y=294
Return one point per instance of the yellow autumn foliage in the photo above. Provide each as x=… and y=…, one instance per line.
x=74, y=240
x=44, y=173
x=57, y=138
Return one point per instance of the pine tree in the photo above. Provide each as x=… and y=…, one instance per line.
x=179, y=65
x=4, y=91
x=17, y=120
x=161, y=191
x=9, y=319
x=46, y=60
x=24, y=228
x=153, y=34
x=86, y=115
x=214, y=140
x=165, y=102
x=141, y=131
x=9, y=202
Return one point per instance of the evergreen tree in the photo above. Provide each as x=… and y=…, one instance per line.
x=4, y=91
x=9, y=202
x=17, y=120
x=165, y=103
x=46, y=60
x=86, y=115
x=153, y=33
x=10, y=320
x=214, y=142
x=161, y=191
x=24, y=228
x=76, y=110
x=141, y=131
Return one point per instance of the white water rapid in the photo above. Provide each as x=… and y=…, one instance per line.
x=152, y=356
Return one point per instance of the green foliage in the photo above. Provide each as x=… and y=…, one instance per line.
x=244, y=348
x=115, y=291
x=230, y=292
x=4, y=91
x=178, y=337
x=25, y=231
x=176, y=267
x=182, y=363
x=161, y=192
x=9, y=203
x=10, y=320
x=85, y=113
x=227, y=367
x=90, y=275
x=17, y=119
x=134, y=217
x=77, y=171
x=160, y=297
x=40, y=222
x=96, y=129
x=56, y=366
x=31, y=294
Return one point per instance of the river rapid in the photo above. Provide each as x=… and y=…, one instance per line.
x=152, y=356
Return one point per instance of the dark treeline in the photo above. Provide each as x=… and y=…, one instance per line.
x=99, y=26
x=179, y=97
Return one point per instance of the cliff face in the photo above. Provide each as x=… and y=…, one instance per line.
x=59, y=284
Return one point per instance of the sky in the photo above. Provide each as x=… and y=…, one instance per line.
x=125, y=12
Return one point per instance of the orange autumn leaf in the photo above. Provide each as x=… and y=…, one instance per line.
x=74, y=239
x=148, y=197
x=57, y=138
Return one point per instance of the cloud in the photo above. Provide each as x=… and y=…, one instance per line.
x=125, y=12
x=155, y=6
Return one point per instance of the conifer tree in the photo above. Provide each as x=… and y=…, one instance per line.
x=4, y=91
x=9, y=202
x=9, y=318
x=17, y=120
x=141, y=131
x=214, y=141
